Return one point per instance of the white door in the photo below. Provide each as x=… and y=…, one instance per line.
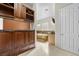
x=76, y=29
x=67, y=28
x=63, y=28
x=58, y=30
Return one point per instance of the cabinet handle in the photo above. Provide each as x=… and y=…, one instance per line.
x=78, y=35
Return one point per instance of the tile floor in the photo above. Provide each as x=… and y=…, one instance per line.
x=42, y=49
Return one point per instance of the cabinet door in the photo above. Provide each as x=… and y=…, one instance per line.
x=23, y=12
x=19, y=10
x=26, y=38
x=31, y=37
x=18, y=39
x=5, y=43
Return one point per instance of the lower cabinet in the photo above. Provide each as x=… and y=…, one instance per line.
x=14, y=43
x=18, y=39
x=5, y=43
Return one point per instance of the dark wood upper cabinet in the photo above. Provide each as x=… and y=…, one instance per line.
x=23, y=12
x=19, y=10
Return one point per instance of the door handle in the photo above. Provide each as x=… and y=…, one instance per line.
x=78, y=35
x=61, y=34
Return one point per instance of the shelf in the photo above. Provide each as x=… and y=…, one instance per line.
x=6, y=15
x=6, y=10
x=29, y=14
x=6, y=5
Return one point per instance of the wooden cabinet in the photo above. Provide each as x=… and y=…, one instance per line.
x=19, y=10
x=22, y=41
x=16, y=35
x=13, y=43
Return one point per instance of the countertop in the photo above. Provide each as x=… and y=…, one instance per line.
x=15, y=30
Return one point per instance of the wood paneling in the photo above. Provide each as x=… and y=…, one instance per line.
x=15, y=25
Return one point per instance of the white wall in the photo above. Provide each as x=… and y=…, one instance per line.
x=1, y=23
x=45, y=10
x=45, y=25
x=43, y=14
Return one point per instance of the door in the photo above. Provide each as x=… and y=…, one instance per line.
x=63, y=28
x=67, y=28
x=58, y=29
x=76, y=26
